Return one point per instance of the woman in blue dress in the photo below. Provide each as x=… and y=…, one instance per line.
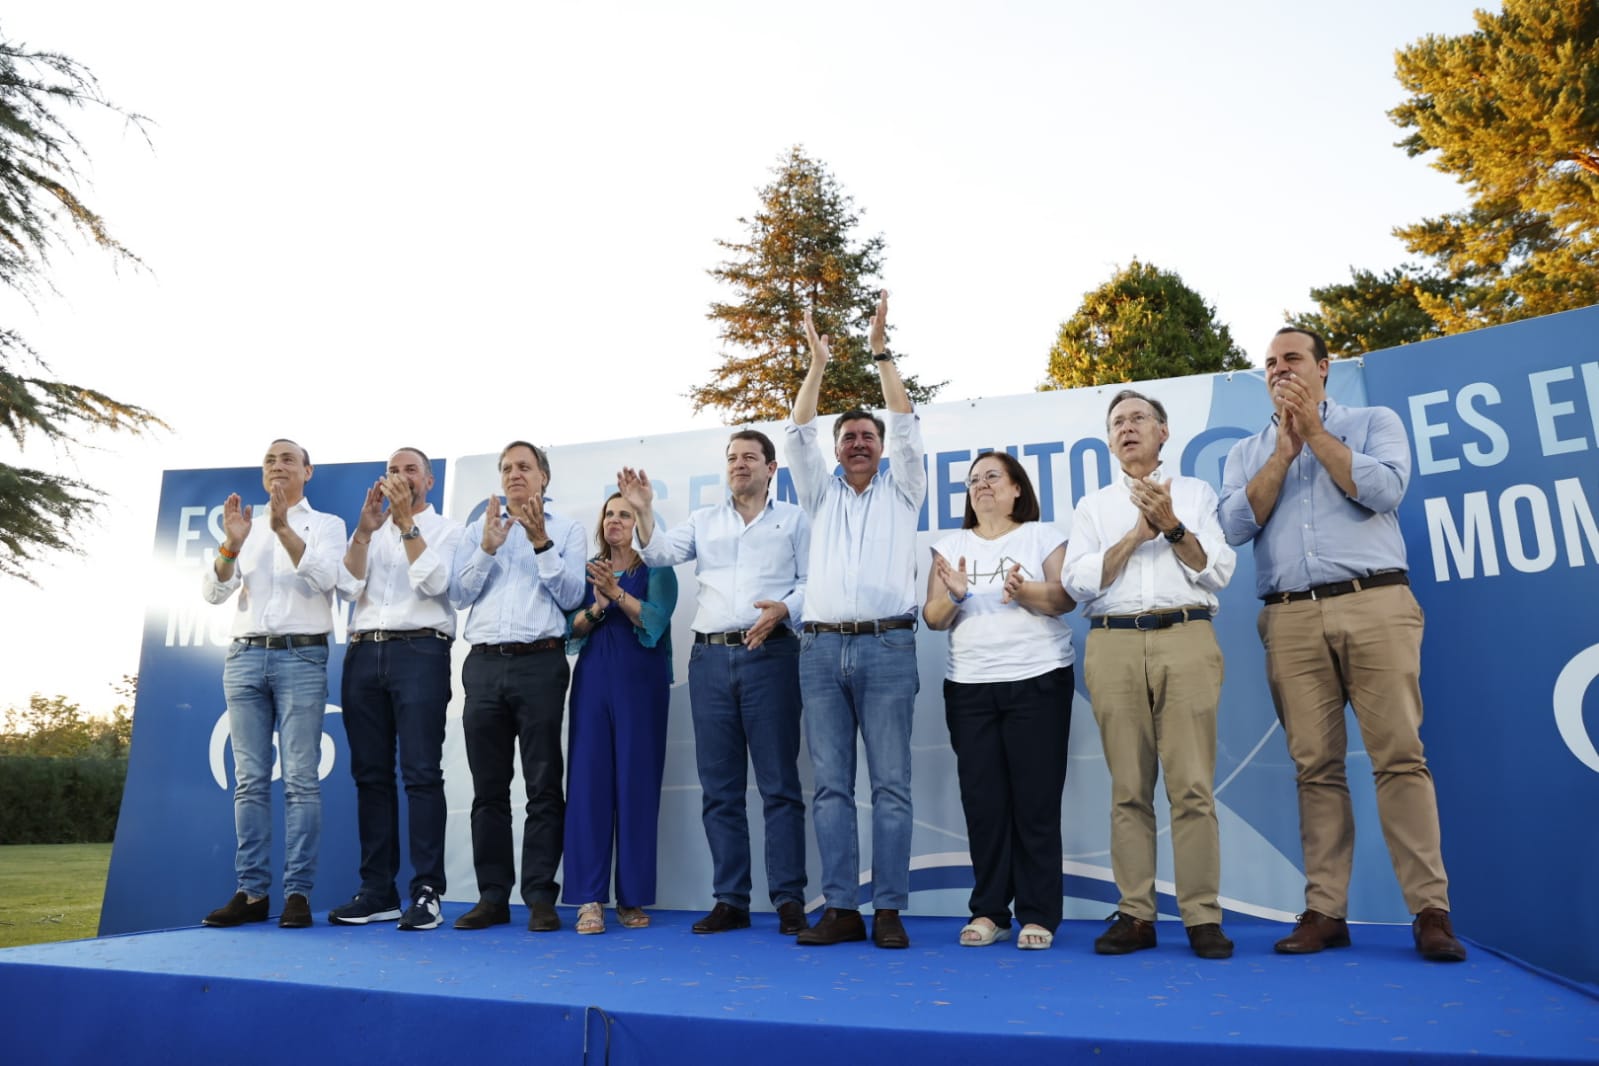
x=616, y=735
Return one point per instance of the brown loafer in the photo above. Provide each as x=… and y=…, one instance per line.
x=237, y=911
x=1435, y=936
x=542, y=918
x=836, y=927
x=1209, y=942
x=724, y=918
x=1314, y=932
x=888, y=931
x=484, y=914
x=1126, y=935
x=791, y=918
x=296, y=912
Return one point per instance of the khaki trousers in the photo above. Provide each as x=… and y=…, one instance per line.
x=1155, y=694
x=1363, y=648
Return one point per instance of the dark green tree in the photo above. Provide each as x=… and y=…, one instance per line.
x=1512, y=111
x=1143, y=323
x=40, y=510
x=1374, y=311
x=799, y=252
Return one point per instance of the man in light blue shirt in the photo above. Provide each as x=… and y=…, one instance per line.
x=751, y=555
x=858, y=649
x=1318, y=492
x=518, y=570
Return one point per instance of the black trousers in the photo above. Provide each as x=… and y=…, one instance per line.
x=1010, y=740
x=515, y=703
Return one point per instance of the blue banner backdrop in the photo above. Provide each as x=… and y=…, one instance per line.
x=1500, y=529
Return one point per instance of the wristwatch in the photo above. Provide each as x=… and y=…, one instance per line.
x=1176, y=534
x=411, y=534
x=883, y=356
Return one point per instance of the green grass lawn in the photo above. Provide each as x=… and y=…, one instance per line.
x=51, y=891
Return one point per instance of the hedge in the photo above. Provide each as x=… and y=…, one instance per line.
x=59, y=801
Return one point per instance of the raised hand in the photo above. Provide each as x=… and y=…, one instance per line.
x=635, y=487
x=235, y=523
x=1013, y=584
x=772, y=612
x=879, y=331
x=495, y=526
x=1153, y=500
x=397, y=491
x=278, y=510
x=371, y=510
x=530, y=516
x=954, y=578
x=820, y=350
x=607, y=589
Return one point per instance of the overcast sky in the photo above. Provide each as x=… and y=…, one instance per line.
x=454, y=224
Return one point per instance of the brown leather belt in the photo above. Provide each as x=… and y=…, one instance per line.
x=378, y=636
x=855, y=629
x=293, y=640
x=1341, y=588
x=531, y=647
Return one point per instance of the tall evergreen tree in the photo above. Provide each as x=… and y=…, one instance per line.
x=1142, y=323
x=39, y=207
x=1512, y=111
x=1374, y=311
x=799, y=252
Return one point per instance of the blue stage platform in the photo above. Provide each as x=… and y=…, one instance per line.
x=663, y=995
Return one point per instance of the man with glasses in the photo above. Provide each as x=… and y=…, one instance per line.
x=858, y=653
x=751, y=554
x=396, y=689
x=1146, y=559
x=286, y=562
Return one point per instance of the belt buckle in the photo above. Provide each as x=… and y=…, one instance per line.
x=378, y=636
x=1139, y=623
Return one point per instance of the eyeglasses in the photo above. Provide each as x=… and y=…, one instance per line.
x=992, y=477
x=1137, y=418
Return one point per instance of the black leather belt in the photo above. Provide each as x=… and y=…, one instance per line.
x=855, y=629
x=1341, y=588
x=378, y=636
x=531, y=647
x=737, y=637
x=1154, y=619
x=293, y=640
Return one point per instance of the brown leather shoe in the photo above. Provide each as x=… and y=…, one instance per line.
x=791, y=918
x=724, y=918
x=888, y=931
x=1314, y=932
x=237, y=911
x=1209, y=942
x=1435, y=936
x=296, y=912
x=1127, y=935
x=484, y=914
x=541, y=918
x=836, y=927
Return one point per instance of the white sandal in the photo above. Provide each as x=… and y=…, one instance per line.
x=591, y=918
x=981, y=932
x=1035, y=938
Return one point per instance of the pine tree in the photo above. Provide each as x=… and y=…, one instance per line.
x=1375, y=311
x=798, y=252
x=39, y=207
x=1143, y=323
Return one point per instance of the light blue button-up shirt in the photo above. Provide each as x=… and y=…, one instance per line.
x=863, y=544
x=518, y=595
x=738, y=562
x=1316, y=534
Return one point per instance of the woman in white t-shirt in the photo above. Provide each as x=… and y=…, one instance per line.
x=1008, y=687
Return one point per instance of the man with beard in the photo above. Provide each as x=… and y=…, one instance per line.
x=518, y=569
x=284, y=565
x=396, y=688
x=751, y=555
x=858, y=653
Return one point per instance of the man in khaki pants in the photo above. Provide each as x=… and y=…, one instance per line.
x=1318, y=492
x=1146, y=559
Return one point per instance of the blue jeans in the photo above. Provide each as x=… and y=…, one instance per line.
x=282, y=689
x=395, y=694
x=746, y=708
x=866, y=683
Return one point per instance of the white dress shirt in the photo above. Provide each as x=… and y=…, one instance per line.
x=398, y=594
x=518, y=595
x=1154, y=578
x=278, y=598
x=863, y=544
x=738, y=562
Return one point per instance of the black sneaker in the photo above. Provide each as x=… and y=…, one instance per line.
x=237, y=911
x=363, y=909
x=424, y=912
